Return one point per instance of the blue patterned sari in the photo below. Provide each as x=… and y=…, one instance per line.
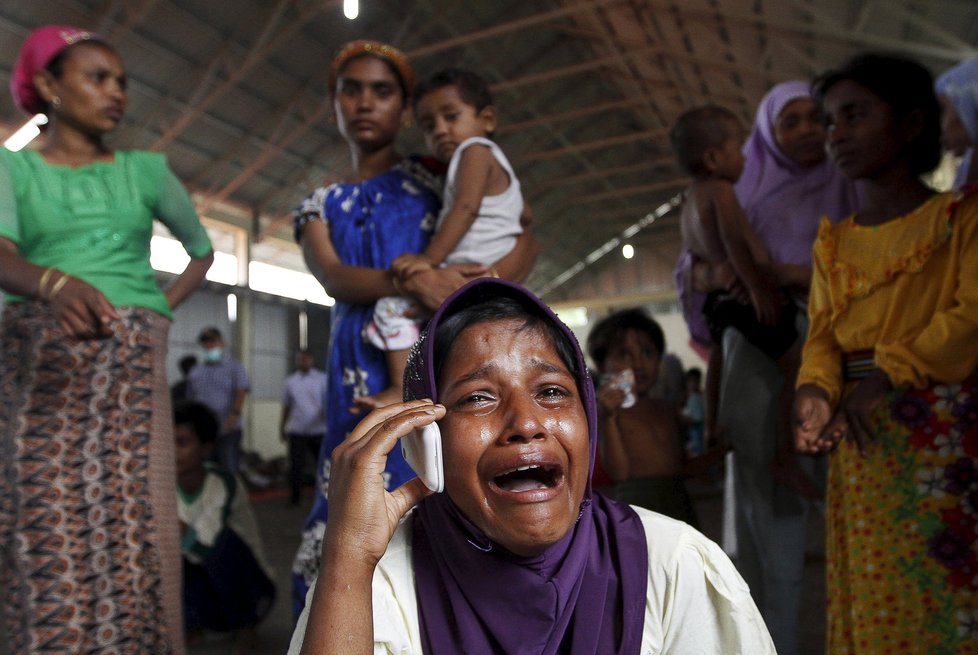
x=370, y=223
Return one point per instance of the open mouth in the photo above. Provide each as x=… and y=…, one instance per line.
x=528, y=478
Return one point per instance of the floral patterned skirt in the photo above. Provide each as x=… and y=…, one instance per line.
x=902, y=572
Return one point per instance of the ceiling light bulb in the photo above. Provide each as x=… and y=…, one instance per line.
x=351, y=8
x=627, y=251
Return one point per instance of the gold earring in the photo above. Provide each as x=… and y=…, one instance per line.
x=56, y=101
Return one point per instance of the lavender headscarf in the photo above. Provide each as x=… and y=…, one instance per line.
x=585, y=594
x=960, y=85
x=784, y=201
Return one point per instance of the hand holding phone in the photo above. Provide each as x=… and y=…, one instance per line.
x=422, y=451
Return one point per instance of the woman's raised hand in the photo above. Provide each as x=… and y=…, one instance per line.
x=82, y=310
x=362, y=514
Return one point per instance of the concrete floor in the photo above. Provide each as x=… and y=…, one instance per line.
x=280, y=524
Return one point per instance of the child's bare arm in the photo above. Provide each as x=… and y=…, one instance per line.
x=474, y=169
x=736, y=234
x=732, y=223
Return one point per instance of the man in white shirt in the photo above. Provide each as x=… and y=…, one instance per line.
x=303, y=417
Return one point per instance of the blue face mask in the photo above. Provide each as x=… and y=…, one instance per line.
x=213, y=354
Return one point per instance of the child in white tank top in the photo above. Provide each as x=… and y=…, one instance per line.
x=480, y=218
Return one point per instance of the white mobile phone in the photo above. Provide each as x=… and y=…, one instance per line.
x=422, y=450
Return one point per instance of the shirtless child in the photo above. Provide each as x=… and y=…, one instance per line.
x=640, y=438
x=707, y=142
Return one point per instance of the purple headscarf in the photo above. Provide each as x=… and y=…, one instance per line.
x=959, y=84
x=585, y=594
x=784, y=201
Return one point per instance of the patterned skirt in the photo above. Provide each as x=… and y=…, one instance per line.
x=89, y=550
x=902, y=545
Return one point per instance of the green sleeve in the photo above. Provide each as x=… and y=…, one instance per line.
x=9, y=221
x=176, y=210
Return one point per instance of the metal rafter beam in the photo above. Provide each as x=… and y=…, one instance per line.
x=279, y=122
x=828, y=29
x=574, y=114
x=271, y=38
x=608, y=38
x=863, y=19
x=132, y=17
x=666, y=185
x=612, y=171
x=928, y=27
x=803, y=58
x=577, y=148
x=268, y=155
x=506, y=28
x=633, y=50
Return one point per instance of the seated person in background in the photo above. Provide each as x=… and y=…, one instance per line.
x=707, y=141
x=640, y=438
x=516, y=555
x=480, y=218
x=227, y=585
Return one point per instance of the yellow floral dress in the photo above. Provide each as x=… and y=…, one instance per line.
x=902, y=522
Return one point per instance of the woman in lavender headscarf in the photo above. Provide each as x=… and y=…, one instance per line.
x=518, y=555
x=788, y=184
x=957, y=90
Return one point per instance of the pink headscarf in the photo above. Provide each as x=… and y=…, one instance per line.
x=41, y=46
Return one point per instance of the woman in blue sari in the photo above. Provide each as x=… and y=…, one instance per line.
x=350, y=232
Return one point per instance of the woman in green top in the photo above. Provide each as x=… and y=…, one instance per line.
x=88, y=527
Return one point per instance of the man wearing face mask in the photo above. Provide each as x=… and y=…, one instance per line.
x=221, y=383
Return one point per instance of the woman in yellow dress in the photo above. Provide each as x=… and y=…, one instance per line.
x=888, y=380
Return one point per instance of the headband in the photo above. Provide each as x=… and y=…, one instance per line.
x=365, y=48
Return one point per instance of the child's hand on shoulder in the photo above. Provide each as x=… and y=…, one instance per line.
x=410, y=264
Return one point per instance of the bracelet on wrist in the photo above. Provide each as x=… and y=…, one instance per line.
x=58, y=286
x=43, y=282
